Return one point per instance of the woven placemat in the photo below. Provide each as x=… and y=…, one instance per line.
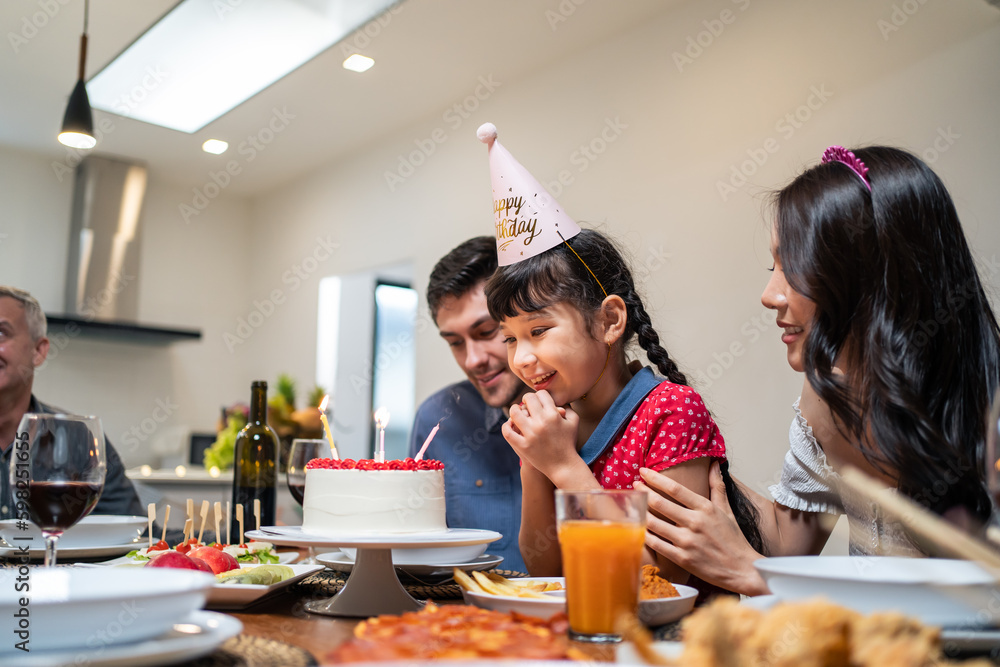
x=248, y=651
x=328, y=583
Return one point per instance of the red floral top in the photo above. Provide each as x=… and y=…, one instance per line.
x=672, y=425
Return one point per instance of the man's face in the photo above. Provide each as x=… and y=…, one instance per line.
x=19, y=354
x=465, y=324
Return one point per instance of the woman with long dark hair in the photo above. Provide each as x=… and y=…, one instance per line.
x=884, y=312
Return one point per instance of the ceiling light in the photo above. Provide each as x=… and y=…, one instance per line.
x=206, y=57
x=78, y=122
x=215, y=146
x=358, y=63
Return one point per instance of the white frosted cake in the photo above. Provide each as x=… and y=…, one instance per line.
x=346, y=497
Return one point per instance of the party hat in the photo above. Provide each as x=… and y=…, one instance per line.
x=528, y=219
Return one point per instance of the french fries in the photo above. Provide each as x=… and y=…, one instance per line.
x=494, y=584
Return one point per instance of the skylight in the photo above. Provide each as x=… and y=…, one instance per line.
x=206, y=57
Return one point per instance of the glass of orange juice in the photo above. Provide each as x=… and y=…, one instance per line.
x=601, y=535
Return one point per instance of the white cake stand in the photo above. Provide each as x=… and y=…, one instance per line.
x=372, y=587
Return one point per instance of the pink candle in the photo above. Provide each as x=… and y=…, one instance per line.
x=430, y=436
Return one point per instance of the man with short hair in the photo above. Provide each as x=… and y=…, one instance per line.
x=482, y=472
x=23, y=348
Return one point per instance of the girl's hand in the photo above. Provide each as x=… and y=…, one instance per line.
x=700, y=534
x=544, y=435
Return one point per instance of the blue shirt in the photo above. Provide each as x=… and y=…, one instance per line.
x=482, y=474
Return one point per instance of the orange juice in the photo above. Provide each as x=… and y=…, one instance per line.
x=601, y=562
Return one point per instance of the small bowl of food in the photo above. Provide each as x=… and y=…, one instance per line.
x=541, y=597
x=661, y=602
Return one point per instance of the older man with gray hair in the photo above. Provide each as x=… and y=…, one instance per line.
x=23, y=348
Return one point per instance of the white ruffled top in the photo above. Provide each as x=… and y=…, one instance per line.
x=809, y=484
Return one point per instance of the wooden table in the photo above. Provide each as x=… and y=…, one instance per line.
x=283, y=618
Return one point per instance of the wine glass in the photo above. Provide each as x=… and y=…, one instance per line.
x=57, y=472
x=302, y=452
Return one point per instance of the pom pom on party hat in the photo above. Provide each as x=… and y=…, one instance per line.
x=528, y=220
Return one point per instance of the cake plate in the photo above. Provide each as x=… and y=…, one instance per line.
x=372, y=587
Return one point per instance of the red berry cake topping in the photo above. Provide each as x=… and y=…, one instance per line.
x=372, y=464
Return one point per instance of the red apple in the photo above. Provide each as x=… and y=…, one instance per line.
x=219, y=561
x=178, y=560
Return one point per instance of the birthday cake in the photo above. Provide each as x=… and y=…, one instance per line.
x=343, y=496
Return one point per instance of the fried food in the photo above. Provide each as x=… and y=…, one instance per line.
x=456, y=631
x=815, y=633
x=494, y=584
x=654, y=586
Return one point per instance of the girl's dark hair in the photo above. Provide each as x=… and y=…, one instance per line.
x=558, y=276
x=900, y=305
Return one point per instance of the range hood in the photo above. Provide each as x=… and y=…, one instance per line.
x=102, y=271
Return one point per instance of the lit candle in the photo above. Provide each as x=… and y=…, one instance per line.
x=381, y=421
x=430, y=436
x=326, y=425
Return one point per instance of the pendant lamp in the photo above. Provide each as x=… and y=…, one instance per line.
x=78, y=123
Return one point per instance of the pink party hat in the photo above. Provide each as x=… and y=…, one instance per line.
x=528, y=219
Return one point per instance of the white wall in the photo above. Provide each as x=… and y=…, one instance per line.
x=655, y=187
x=192, y=276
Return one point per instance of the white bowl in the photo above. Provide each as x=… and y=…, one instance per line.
x=433, y=556
x=70, y=608
x=948, y=593
x=96, y=530
x=660, y=611
x=528, y=606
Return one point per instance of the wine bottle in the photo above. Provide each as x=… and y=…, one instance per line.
x=256, y=465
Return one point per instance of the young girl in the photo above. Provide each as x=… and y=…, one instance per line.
x=591, y=423
x=883, y=310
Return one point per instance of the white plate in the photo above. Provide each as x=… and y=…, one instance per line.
x=96, y=530
x=452, y=537
x=339, y=562
x=237, y=596
x=948, y=593
x=76, y=607
x=536, y=607
x=197, y=635
x=660, y=611
x=79, y=552
x=461, y=554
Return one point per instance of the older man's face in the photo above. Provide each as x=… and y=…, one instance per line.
x=465, y=324
x=19, y=354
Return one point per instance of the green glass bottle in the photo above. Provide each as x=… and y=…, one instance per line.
x=255, y=475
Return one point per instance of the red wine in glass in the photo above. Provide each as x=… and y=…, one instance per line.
x=302, y=452
x=57, y=467
x=297, y=488
x=57, y=506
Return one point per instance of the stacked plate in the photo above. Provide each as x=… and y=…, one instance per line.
x=423, y=564
x=95, y=536
x=66, y=615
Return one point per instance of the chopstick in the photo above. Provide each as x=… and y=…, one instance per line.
x=923, y=523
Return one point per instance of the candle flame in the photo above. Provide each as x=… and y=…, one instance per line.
x=326, y=401
x=382, y=417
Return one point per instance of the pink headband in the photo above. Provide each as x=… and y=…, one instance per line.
x=844, y=156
